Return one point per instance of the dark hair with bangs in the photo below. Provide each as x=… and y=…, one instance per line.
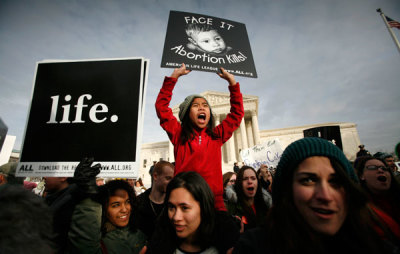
x=363, y=160
x=259, y=203
x=108, y=190
x=187, y=132
x=394, y=188
x=164, y=239
x=201, y=192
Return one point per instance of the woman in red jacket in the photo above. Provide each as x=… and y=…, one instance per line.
x=197, y=144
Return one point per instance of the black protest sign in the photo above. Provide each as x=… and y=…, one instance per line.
x=84, y=109
x=205, y=43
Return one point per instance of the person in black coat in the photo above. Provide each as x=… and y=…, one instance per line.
x=150, y=204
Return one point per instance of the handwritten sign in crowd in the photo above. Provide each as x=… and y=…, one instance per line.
x=268, y=153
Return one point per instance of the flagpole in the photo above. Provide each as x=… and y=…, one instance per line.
x=390, y=30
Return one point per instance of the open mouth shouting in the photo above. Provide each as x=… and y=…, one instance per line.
x=382, y=178
x=201, y=120
x=199, y=113
x=250, y=191
x=202, y=117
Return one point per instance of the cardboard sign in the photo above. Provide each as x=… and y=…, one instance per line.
x=86, y=108
x=205, y=43
x=268, y=153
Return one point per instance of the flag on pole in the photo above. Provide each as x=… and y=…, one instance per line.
x=390, y=23
x=393, y=23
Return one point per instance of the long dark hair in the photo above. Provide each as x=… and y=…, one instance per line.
x=288, y=232
x=259, y=203
x=188, y=128
x=393, y=193
x=164, y=239
x=394, y=184
x=108, y=190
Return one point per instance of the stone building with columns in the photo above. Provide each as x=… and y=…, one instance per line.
x=247, y=135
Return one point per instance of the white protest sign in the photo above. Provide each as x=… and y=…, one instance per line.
x=268, y=153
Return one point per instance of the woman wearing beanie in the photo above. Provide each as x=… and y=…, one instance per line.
x=317, y=206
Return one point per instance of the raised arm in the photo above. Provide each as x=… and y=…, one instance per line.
x=85, y=228
x=227, y=76
x=167, y=120
x=234, y=118
x=180, y=71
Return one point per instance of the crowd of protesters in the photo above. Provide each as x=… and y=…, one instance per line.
x=314, y=201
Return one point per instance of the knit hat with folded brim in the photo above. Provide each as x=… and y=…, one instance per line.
x=300, y=150
x=185, y=105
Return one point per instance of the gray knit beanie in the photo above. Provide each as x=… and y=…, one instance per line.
x=300, y=150
x=183, y=107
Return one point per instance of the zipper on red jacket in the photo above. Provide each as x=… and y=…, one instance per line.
x=199, y=140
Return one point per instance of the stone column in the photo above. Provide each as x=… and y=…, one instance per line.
x=256, y=130
x=243, y=134
x=217, y=122
x=171, y=151
x=249, y=131
x=232, y=151
x=238, y=139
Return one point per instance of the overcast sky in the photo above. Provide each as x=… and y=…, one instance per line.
x=317, y=61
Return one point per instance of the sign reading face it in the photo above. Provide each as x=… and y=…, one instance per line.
x=85, y=109
x=205, y=43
